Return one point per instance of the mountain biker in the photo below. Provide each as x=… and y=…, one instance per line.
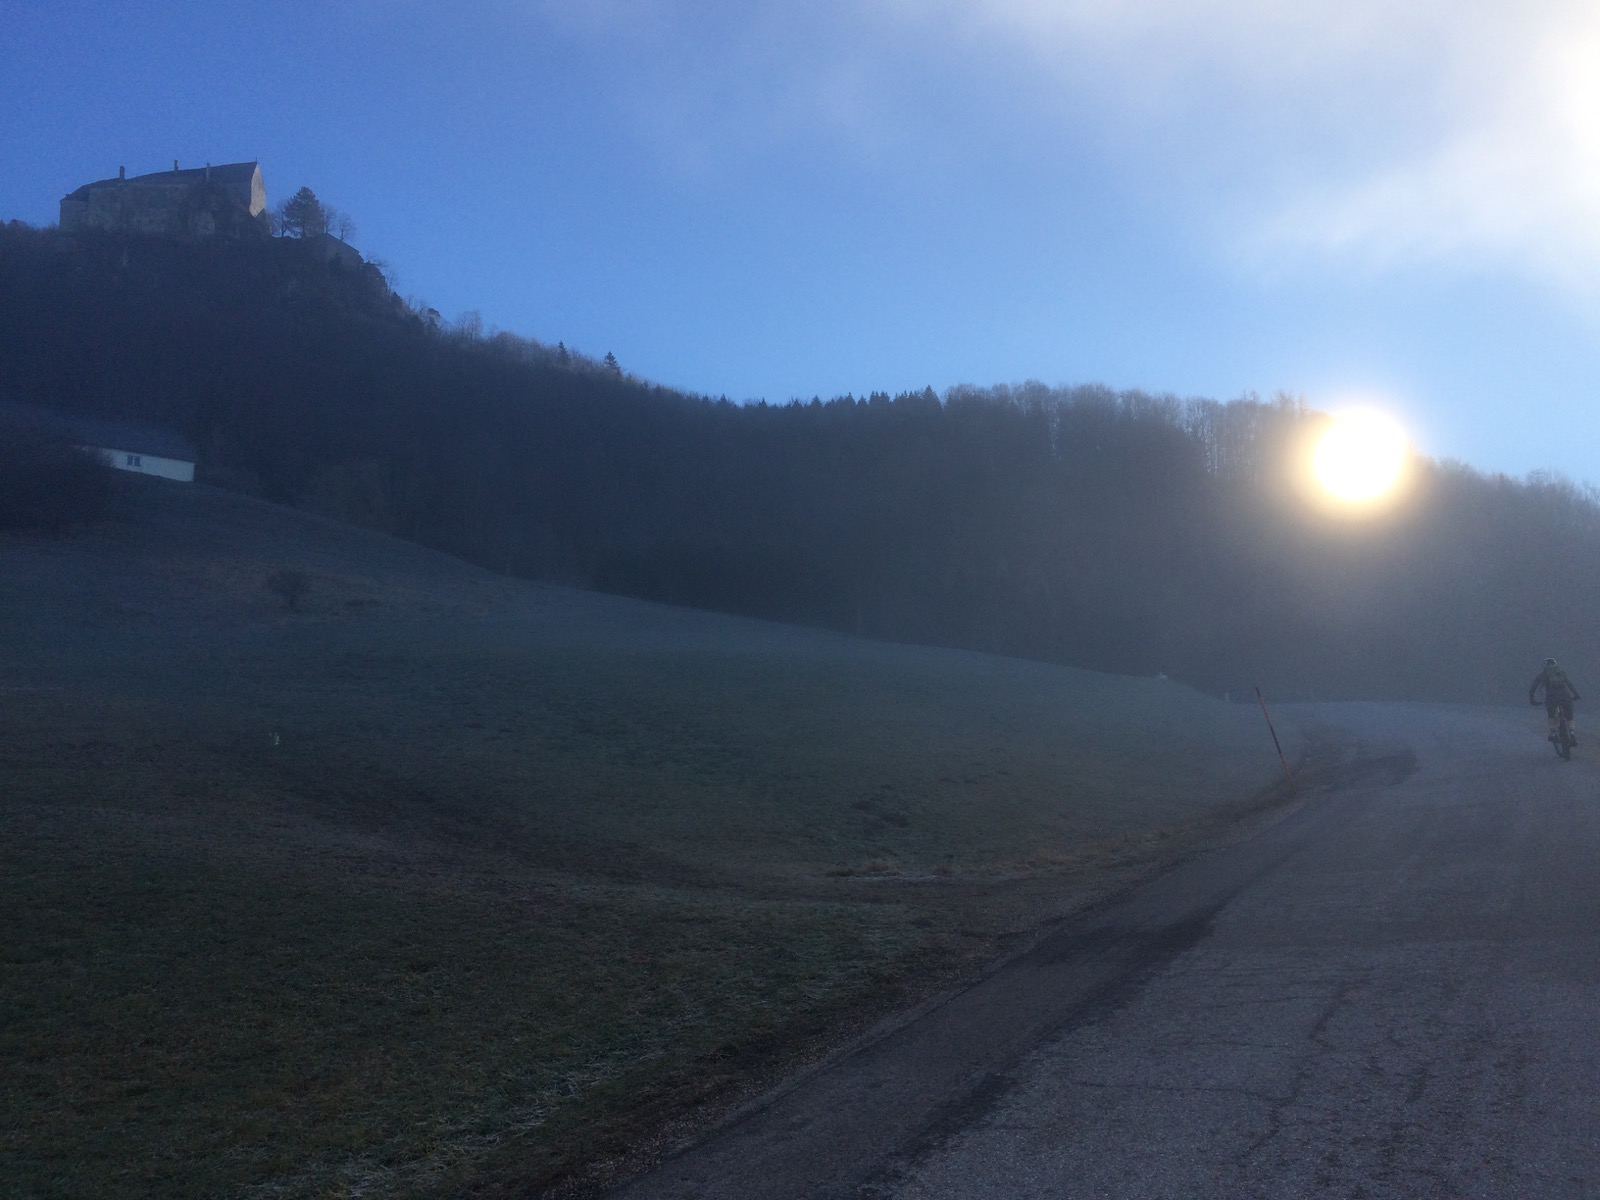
x=1558, y=696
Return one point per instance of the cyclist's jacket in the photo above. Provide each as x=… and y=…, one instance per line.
x=1557, y=686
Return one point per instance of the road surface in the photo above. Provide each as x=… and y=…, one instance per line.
x=1394, y=991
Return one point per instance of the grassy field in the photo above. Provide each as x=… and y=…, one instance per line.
x=448, y=884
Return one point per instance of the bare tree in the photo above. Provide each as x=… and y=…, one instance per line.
x=339, y=223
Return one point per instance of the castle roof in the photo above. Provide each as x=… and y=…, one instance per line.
x=240, y=172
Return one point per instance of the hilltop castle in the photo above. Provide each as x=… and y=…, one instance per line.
x=200, y=202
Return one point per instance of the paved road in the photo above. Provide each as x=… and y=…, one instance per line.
x=1393, y=992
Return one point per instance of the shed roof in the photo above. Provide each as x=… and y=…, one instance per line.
x=104, y=433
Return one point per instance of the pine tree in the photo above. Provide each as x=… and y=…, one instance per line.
x=302, y=215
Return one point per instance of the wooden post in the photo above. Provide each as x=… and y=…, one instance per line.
x=1288, y=774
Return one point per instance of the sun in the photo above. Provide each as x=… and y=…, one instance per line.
x=1361, y=456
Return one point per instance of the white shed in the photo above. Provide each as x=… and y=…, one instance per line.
x=126, y=445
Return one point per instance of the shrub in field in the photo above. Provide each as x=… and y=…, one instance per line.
x=289, y=586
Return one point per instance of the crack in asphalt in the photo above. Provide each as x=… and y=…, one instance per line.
x=1172, y=1089
x=1304, y=1070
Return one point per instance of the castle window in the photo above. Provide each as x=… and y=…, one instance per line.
x=134, y=461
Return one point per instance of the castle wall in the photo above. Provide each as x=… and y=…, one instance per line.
x=182, y=204
x=136, y=208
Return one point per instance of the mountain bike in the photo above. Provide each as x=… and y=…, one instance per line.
x=1563, y=739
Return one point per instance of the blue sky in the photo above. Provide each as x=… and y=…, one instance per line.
x=1328, y=197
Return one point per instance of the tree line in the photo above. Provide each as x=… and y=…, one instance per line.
x=1119, y=531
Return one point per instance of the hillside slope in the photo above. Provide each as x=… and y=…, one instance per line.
x=447, y=880
x=1125, y=532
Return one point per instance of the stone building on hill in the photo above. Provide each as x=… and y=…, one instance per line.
x=200, y=202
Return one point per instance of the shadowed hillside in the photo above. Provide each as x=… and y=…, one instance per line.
x=433, y=882
x=1121, y=532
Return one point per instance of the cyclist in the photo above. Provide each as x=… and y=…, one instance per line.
x=1558, y=696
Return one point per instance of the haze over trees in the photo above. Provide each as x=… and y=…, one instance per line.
x=1118, y=531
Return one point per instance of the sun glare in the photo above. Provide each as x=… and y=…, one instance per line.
x=1360, y=456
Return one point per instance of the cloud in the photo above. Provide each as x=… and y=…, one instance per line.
x=1364, y=133
x=711, y=86
x=1510, y=177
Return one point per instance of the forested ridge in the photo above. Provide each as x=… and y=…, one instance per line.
x=1118, y=531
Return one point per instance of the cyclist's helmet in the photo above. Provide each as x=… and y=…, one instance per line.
x=1549, y=662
